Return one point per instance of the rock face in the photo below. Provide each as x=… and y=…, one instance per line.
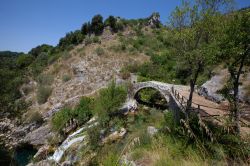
x=209, y=89
x=12, y=133
x=154, y=20
x=42, y=163
x=39, y=136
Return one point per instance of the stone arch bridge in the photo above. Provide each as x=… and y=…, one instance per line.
x=177, y=101
x=166, y=90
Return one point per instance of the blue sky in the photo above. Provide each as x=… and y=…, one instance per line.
x=25, y=24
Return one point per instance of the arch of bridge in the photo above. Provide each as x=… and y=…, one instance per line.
x=163, y=89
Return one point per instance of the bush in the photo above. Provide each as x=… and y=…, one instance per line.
x=60, y=119
x=114, y=24
x=71, y=38
x=111, y=159
x=97, y=24
x=43, y=94
x=95, y=39
x=83, y=112
x=94, y=137
x=44, y=79
x=86, y=28
x=109, y=101
x=66, y=78
x=35, y=116
x=24, y=60
x=88, y=41
x=99, y=51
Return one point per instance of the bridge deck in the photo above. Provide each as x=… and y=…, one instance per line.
x=210, y=108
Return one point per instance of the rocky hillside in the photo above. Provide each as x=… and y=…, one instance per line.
x=69, y=103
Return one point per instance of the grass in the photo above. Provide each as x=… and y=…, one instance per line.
x=66, y=78
x=99, y=51
x=43, y=93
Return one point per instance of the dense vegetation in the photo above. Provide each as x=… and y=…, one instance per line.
x=199, y=37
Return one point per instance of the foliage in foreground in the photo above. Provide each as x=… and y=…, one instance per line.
x=109, y=101
x=82, y=113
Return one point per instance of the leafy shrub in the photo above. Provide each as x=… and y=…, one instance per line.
x=125, y=74
x=24, y=60
x=111, y=159
x=114, y=24
x=94, y=137
x=60, y=119
x=34, y=116
x=97, y=24
x=66, y=78
x=86, y=28
x=88, y=41
x=71, y=38
x=83, y=112
x=44, y=48
x=99, y=51
x=43, y=94
x=95, y=39
x=109, y=101
x=45, y=79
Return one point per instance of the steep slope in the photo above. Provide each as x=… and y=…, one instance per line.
x=87, y=69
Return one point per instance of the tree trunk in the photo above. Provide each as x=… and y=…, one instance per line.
x=192, y=88
x=236, y=84
x=235, y=110
x=190, y=98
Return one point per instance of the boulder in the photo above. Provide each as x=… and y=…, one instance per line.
x=39, y=136
x=151, y=130
x=129, y=106
x=209, y=89
x=154, y=20
x=43, y=152
x=42, y=163
x=115, y=135
x=66, y=163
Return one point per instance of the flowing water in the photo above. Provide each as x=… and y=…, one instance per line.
x=77, y=136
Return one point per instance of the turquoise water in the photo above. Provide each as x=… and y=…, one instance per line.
x=24, y=154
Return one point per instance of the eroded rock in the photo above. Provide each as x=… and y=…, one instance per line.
x=39, y=136
x=115, y=135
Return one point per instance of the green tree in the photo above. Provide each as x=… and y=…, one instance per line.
x=195, y=28
x=235, y=49
x=71, y=38
x=24, y=61
x=109, y=101
x=112, y=22
x=86, y=28
x=97, y=25
x=40, y=49
x=83, y=111
x=60, y=119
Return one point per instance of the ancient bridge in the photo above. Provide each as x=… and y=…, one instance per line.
x=176, y=96
x=168, y=91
